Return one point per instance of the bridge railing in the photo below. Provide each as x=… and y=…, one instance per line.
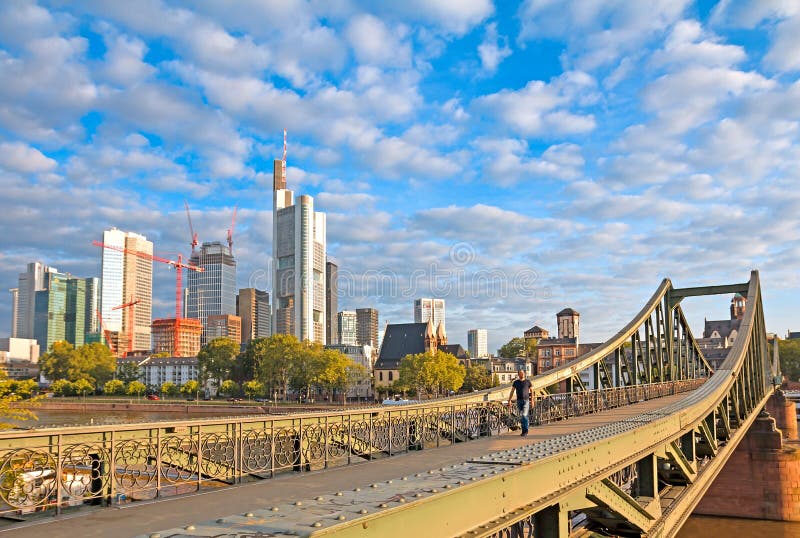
x=113, y=464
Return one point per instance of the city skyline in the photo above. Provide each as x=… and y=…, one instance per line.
x=599, y=154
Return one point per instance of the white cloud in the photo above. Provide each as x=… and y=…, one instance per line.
x=508, y=161
x=493, y=50
x=374, y=43
x=19, y=157
x=456, y=17
x=688, y=43
x=124, y=63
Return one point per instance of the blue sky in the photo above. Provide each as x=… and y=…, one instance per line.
x=513, y=158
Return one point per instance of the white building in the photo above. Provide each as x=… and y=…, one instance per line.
x=298, y=256
x=347, y=327
x=126, y=277
x=433, y=309
x=478, y=343
x=155, y=371
x=19, y=357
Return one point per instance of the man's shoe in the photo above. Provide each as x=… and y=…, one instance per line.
x=524, y=434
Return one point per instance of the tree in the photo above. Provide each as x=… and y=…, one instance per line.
x=97, y=360
x=190, y=388
x=83, y=387
x=253, y=388
x=58, y=363
x=62, y=387
x=11, y=392
x=229, y=388
x=518, y=347
x=305, y=369
x=93, y=363
x=432, y=373
x=114, y=387
x=272, y=359
x=477, y=378
x=135, y=388
x=789, y=351
x=356, y=374
x=333, y=372
x=170, y=389
x=216, y=359
x=161, y=355
x=128, y=371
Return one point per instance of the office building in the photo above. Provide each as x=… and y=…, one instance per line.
x=60, y=310
x=367, y=327
x=92, y=323
x=212, y=292
x=346, y=323
x=14, y=310
x=253, y=307
x=298, y=256
x=477, y=343
x=186, y=343
x=19, y=357
x=429, y=309
x=225, y=325
x=29, y=282
x=126, y=277
x=331, y=301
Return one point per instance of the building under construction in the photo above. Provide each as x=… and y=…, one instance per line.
x=178, y=337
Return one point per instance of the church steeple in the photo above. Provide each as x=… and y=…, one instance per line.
x=738, y=306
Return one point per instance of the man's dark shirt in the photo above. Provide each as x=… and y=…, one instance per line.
x=523, y=388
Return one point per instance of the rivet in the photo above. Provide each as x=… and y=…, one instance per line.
x=447, y=486
x=339, y=493
x=362, y=511
x=249, y=514
x=404, y=478
x=418, y=495
x=340, y=518
x=357, y=489
x=434, y=490
x=155, y=535
x=320, y=498
x=275, y=508
x=189, y=527
x=383, y=505
x=373, y=485
x=220, y=520
x=390, y=481
x=299, y=503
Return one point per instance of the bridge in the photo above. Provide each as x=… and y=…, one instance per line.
x=632, y=458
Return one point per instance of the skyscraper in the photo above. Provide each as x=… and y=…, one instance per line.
x=60, y=310
x=224, y=325
x=253, y=307
x=126, y=276
x=367, y=327
x=331, y=301
x=91, y=323
x=31, y=281
x=346, y=322
x=298, y=258
x=477, y=343
x=14, y=310
x=212, y=292
x=433, y=309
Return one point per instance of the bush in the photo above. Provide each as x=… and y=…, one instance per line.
x=114, y=387
x=170, y=389
x=62, y=387
x=136, y=388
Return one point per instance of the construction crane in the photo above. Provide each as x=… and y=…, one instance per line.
x=195, y=239
x=106, y=333
x=179, y=266
x=130, y=304
x=230, y=231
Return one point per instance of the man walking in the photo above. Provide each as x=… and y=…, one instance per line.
x=524, y=392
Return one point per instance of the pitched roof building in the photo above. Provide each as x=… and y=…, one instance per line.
x=401, y=339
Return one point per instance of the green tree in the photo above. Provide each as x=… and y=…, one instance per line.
x=97, y=361
x=229, y=388
x=477, y=378
x=216, y=359
x=333, y=374
x=273, y=358
x=161, y=355
x=128, y=371
x=59, y=362
x=789, y=351
x=253, y=388
x=114, y=387
x=11, y=393
x=431, y=373
x=62, y=387
x=518, y=347
x=170, y=389
x=190, y=388
x=83, y=387
x=135, y=388
x=305, y=369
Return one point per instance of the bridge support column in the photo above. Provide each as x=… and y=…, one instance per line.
x=760, y=480
x=552, y=522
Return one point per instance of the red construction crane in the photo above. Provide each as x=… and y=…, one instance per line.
x=195, y=240
x=130, y=304
x=230, y=231
x=179, y=265
x=106, y=333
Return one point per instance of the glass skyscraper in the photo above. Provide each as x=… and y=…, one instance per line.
x=60, y=311
x=212, y=292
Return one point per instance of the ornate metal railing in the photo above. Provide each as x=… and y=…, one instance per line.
x=53, y=469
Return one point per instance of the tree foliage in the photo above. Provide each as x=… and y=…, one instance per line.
x=216, y=359
x=432, y=373
x=135, y=388
x=478, y=378
x=253, y=388
x=518, y=347
x=790, y=358
x=114, y=387
x=93, y=363
x=272, y=359
x=190, y=388
x=128, y=371
x=229, y=387
x=12, y=392
x=170, y=389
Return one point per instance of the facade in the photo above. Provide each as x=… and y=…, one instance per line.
x=212, y=292
x=29, y=282
x=536, y=333
x=363, y=355
x=188, y=338
x=125, y=277
x=14, y=310
x=506, y=369
x=60, y=310
x=556, y=351
x=331, y=301
x=155, y=371
x=91, y=324
x=19, y=357
x=719, y=335
x=253, y=307
x=367, y=327
x=224, y=326
x=299, y=257
x=433, y=309
x=478, y=343
x=399, y=340
x=346, y=328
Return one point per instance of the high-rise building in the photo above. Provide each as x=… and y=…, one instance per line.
x=188, y=337
x=477, y=343
x=367, y=327
x=91, y=323
x=60, y=310
x=346, y=323
x=429, y=309
x=331, y=301
x=14, y=310
x=125, y=277
x=212, y=292
x=298, y=257
x=253, y=307
x=225, y=325
x=31, y=281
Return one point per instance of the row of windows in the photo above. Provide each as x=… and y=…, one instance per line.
x=391, y=375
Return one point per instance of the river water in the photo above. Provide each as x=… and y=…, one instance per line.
x=54, y=417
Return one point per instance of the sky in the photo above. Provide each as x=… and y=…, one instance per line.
x=512, y=158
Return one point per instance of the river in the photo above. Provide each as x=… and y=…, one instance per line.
x=54, y=417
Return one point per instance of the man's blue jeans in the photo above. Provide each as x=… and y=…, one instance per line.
x=523, y=408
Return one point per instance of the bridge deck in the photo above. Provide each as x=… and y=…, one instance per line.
x=144, y=517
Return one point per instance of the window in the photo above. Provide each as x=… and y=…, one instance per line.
x=391, y=375
x=558, y=352
x=380, y=376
